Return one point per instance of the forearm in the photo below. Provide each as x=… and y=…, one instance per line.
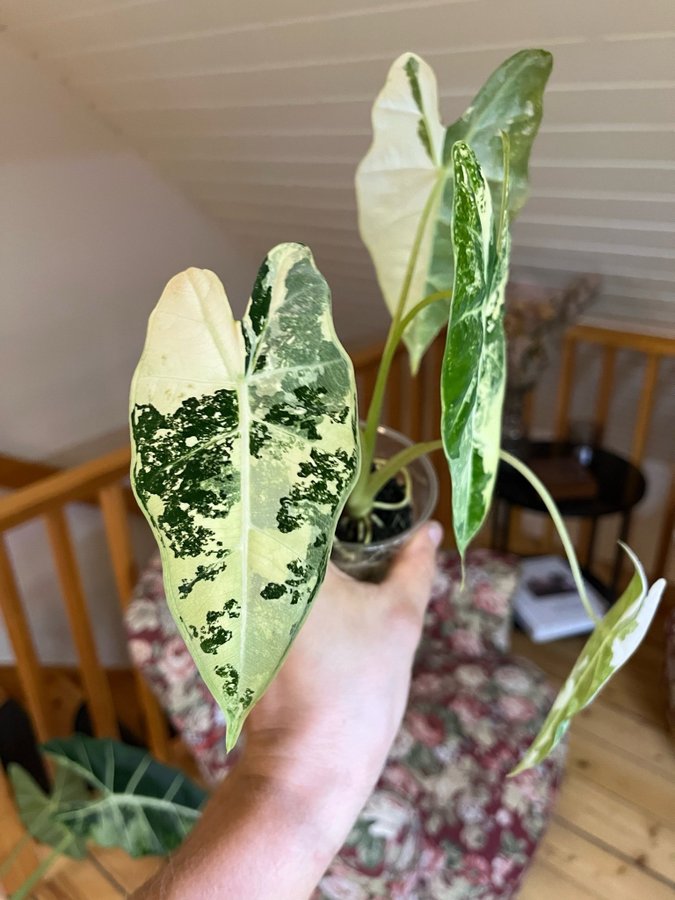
x=263, y=837
x=315, y=743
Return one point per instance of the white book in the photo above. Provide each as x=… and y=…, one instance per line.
x=547, y=604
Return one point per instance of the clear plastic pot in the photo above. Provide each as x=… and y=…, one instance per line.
x=370, y=562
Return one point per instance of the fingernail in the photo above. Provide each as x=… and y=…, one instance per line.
x=435, y=532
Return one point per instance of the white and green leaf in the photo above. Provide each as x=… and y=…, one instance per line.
x=398, y=188
x=135, y=802
x=245, y=448
x=404, y=185
x=38, y=810
x=473, y=374
x=611, y=644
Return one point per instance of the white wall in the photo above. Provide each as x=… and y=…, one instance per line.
x=89, y=235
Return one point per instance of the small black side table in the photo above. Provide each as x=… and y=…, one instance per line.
x=621, y=485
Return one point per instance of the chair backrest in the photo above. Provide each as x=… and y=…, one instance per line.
x=413, y=404
x=609, y=343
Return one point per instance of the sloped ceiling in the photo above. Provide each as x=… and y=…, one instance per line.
x=260, y=112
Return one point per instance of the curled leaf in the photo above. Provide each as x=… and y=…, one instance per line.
x=611, y=644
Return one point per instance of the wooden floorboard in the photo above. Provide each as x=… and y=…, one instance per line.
x=613, y=831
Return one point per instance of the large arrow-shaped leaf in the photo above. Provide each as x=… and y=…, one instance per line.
x=245, y=448
x=612, y=643
x=473, y=373
x=404, y=184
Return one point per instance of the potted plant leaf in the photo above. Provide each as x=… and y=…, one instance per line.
x=247, y=449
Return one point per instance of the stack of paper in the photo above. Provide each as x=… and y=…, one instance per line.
x=546, y=603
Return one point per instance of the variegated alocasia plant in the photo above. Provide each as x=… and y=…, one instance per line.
x=244, y=434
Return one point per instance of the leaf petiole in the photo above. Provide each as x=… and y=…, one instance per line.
x=393, y=338
x=381, y=476
x=549, y=503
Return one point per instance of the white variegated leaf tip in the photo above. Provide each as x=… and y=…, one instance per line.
x=611, y=644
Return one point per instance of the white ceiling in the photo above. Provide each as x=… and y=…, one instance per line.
x=260, y=112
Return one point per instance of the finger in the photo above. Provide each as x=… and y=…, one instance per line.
x=412, y=573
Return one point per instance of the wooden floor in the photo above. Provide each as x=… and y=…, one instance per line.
x=613, y=832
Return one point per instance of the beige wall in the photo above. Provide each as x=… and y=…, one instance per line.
x=89, y=235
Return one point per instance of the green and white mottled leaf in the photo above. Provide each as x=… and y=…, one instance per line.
x=611, y=644
x=245, y=448
x=473, y=374
x=138, y=804
x=404, y=184
x=510, y=102
x=38, y=811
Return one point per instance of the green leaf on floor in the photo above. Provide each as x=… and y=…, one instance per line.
x=137, y=804
x=611, y=644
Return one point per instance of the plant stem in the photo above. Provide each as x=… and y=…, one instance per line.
x=549, y=503
x=393, y=337
x=11, y=858
x=38, y=873
x=428, y=300
x=506, y=163
x=382, y=475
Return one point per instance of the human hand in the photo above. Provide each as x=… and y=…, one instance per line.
x=333, y=710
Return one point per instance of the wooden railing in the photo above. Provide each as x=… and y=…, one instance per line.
x=47, y=500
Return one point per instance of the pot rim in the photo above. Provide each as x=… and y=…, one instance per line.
x=425, y=512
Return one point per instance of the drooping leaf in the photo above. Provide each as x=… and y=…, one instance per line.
x=38, y=811
x=611, y=644
x=407, y=172
x=140, y=805
x=245, y=448
x=473, y=373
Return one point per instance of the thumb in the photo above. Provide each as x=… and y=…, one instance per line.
x=411, y=576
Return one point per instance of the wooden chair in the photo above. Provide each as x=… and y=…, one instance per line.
x=609, y=343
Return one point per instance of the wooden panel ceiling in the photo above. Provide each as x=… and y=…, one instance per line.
x=260, y=112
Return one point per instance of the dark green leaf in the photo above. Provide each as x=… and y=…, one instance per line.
x=140, y=805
